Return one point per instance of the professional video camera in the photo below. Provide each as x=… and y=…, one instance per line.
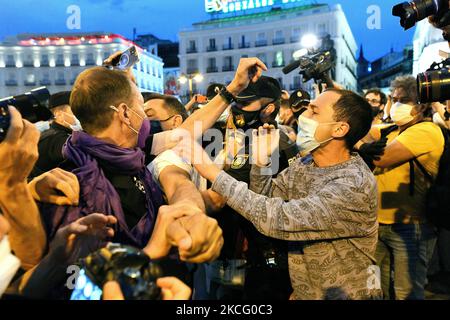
x=314, y=65
x=434, y=84
x=412, y=12
x=129, y=266
x=33, y=106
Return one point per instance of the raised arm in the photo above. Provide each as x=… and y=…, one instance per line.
x=18, y=154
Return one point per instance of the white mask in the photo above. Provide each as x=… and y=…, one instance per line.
x=306, y=140
x=9, y=264
x=401, y=113
x=76, y=126
x=42, y=126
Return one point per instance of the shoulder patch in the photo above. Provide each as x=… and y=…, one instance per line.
x=239, y=161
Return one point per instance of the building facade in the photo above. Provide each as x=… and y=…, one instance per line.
x=272, y=33
x=55, y=61
x=380, y=72
x=168, y=52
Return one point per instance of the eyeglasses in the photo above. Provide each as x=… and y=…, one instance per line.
x=373, y=101
x=168, y=118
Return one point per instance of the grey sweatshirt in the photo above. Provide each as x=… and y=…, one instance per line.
x=328, y=215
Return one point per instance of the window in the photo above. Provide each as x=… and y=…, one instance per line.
x=322, y=28
x=192, y=44
x=61, y=75
x=75, y=58
x=279, y=34
x=212, y=62
x=212, y=43
x=279, y=59
x=45, y=59
x=261, y=36
x=10, y=61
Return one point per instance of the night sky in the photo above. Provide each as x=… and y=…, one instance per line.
x=165, y=18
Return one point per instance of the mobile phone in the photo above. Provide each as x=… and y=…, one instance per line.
x=85, y=289
x=201, y=99
x=126, y=60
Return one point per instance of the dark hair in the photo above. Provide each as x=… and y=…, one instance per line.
x=408, y=84
x=171, y=104
x=94, y=91
x=377, y=92
x=354, y=110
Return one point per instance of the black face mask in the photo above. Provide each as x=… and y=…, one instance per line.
x=246, y=119
x=155, y=126
x=375, y=111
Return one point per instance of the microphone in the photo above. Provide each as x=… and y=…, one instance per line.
x=291, y=67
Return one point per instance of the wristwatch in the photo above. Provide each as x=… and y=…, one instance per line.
x=227, y=95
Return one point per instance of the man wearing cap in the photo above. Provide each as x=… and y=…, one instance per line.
x=52, y=141
x=298, y=101
x=267, y=275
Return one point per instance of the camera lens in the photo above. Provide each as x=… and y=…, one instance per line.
x=434, y=86
x=412, y=12
x=124, y=60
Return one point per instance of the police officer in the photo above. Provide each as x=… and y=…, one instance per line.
x=52, y=140
x=267, y=275
x=299, y=101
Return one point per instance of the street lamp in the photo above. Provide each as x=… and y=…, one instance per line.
x=197, y=77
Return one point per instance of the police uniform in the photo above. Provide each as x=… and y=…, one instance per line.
x=267, y=274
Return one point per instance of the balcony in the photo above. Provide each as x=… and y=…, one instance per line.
x=60, y=63
x=212, y=69
x=295, y=39
x=10, y=64
x=278, y=41
x=30, y=83
x=11, y=83
x=244, y=45
x=75, y=62
x=260, y=43
x=60, y=82
x=191, y=50
x=45, y=82
x=90, y=62
x=28, y=64
x=192, y=70
x=45, y=63
x=275, y=64
x=211, y=49
x=228, y=47
x=227, y=68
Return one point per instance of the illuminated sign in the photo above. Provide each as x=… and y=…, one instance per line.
x=226, y=6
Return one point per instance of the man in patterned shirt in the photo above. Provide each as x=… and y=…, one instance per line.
x=324, y=208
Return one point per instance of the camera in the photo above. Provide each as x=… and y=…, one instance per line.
x=126, y=60
x=33, y=106
x=434, y=84
x=412, y=12
x=129, y=266
x=315, y=66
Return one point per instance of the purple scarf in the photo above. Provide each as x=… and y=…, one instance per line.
x=97, y=194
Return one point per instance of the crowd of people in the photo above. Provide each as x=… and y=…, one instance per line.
x=250, y=192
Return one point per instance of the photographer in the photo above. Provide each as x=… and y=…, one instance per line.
x=52, y=141
x=325, y=210
x=406, y=240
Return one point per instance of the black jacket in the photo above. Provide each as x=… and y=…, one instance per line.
x=50, y=149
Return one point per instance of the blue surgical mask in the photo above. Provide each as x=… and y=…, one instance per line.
x=306, y=140
x=75, y=127
x=42, y=126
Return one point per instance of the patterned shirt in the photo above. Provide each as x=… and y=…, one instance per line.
x=327, y=215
